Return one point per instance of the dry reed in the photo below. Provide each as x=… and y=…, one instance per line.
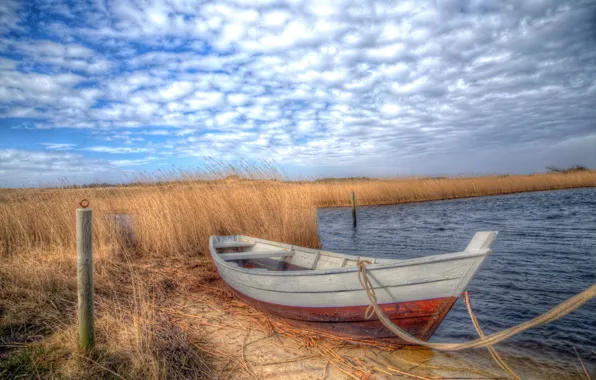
x=177, y=218
x=172, y=222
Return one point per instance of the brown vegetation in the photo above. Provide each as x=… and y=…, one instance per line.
x=136, y=281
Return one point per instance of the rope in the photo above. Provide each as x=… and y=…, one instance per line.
x=495, y=355
x=484, y=341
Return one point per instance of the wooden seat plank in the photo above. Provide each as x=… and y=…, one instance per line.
x=234, y=244
x=254, y=255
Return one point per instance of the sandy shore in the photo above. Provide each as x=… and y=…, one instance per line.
x=244, y=343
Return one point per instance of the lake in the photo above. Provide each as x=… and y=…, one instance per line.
x=545, y=253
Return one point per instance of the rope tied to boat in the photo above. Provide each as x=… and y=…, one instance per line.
x=493, y=353
x=484, y=341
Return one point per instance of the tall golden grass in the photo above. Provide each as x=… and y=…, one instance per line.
x=172, y=222
x=178, y=218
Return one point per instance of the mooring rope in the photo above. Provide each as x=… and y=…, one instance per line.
x=495, y=355
x=484, y=341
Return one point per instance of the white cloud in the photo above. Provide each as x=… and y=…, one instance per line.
x=307, y=81
x=74, y=57
x=58, y=146
x=10, y=16
x=176, y=91
x=158, y=132
x=137, y=162
x=237, y=99
x=7, y=64
x=38, y=168
x=185, y=132
x=275, y=18
x=115, y=150
x=201, y=100
x=390, y=109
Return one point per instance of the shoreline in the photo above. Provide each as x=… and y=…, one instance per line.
x=305, y=354
x=463, y=197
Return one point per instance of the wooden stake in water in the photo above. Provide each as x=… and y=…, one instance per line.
x=353, y=210
x=85, y=279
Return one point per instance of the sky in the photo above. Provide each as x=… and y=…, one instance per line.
x=96, y=90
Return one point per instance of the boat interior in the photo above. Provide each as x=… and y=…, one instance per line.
x=253, y=253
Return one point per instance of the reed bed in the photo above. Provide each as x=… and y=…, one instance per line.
x=177, y=218
x=137, y=279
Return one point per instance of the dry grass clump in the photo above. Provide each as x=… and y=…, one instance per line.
x=137, y=278
x=38, y=335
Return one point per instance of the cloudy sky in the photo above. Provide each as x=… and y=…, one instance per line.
x=92, y=90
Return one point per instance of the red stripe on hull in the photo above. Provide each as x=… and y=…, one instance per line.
x=419, y=318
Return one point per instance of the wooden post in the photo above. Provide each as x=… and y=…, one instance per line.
x=353, y=210
x=85, y=279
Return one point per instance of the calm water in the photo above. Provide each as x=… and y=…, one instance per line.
x=544, y=254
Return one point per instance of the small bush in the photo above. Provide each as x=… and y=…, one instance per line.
x=576, y=168
x=24, y=363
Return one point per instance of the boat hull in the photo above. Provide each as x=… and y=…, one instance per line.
x=419, y=318
x=321, y=290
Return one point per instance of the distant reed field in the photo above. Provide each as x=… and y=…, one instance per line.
x=171, y=220
x=178, y=217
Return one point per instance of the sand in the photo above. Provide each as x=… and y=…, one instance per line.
x=242, y=342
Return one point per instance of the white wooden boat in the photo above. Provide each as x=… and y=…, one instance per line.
x=321, y=290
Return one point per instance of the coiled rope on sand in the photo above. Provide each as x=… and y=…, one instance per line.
x=484, y=341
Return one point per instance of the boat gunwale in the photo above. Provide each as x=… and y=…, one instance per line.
x=451, y=256
x=334, y=291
